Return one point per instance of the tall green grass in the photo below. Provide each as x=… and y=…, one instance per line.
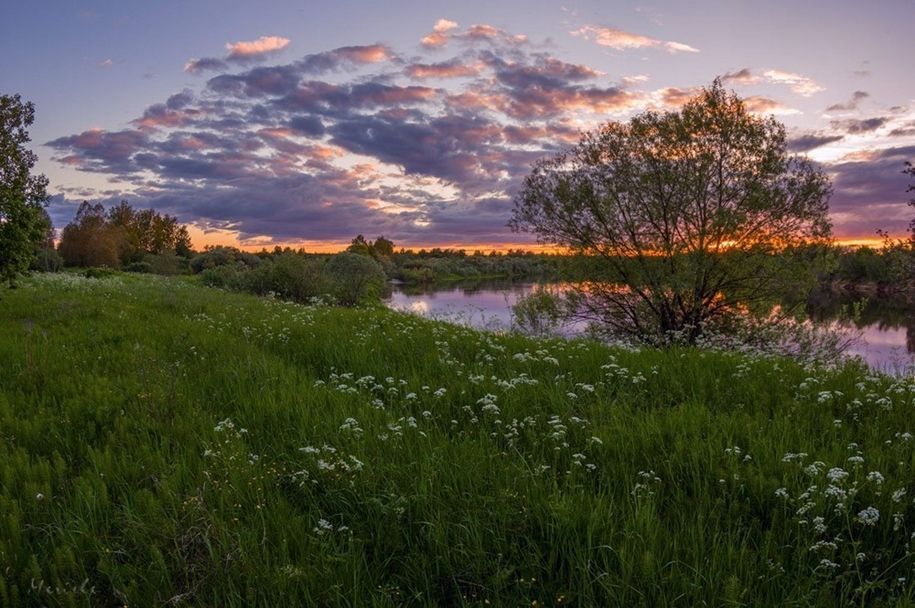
x=168, y=444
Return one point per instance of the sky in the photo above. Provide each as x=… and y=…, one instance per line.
x=306, y=123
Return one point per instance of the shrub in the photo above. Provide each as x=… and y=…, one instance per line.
x=539, y=313
x=166, y=263
x=288, y=276
x=223, y=277
x=98, y=272
x=46, y=260
x=354, y=279
x=142, y=267
x=222, y=256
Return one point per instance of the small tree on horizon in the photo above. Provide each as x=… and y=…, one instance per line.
x=686, y=208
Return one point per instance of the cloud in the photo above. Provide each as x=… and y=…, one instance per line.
x=453, y=68
x=811, y=141
x=675, y=97
x=800, y=84
x=265, y=45
x=852, y=104
x=907, y=129
x=870, y=192
x=107, y=63
x=622, y=40
x=206, y=64
x=854, y=126
x=743, y=77
x=439, y=35
x=242, y=52
x=766, y=105
x=361, y=138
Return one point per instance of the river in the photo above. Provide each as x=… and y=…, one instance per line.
x=884, y=331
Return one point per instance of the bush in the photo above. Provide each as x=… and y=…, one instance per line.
x=166, y=263
x=288, y=276
x=98, y=272
x=354, y=279
x=142, y=267
x=539, y=313
x=46, y=260
x=223, y=277
x=223, y=256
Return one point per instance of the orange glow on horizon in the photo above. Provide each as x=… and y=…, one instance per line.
x=201, y=239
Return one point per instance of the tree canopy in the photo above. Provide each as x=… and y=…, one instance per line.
x=121, y=235
x=687, y=209
x=24, y=224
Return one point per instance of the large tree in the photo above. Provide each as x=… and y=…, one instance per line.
x=695, y=212
x=23, y=196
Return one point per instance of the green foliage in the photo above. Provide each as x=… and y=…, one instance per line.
x=123, y=236
x=689, y=209
x=449, y=264
x=166, y=263
x=175, y=445
x=98, y=272
x=141, y=267
x=142, y=232
x=23, y=221
x=288, y=276
x=221, y=256
x=45, y=257
x=354, y=279
x=381, y=248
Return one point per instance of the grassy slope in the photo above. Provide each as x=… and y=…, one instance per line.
x=112, y=392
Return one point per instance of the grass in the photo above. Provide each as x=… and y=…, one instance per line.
x=163, y=443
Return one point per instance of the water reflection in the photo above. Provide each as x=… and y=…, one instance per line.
x=886, y=327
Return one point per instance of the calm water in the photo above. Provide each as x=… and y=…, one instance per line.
x=887, y=332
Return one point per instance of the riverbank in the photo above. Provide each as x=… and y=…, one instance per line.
x=166, y=442
x=903, y=292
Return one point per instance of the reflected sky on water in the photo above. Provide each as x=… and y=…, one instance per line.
x=887, y=334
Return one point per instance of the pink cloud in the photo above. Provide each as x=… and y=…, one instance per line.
x=262, y=46
x=439, y=35
x=622, y=40
x=448, y=69
x=373, y=53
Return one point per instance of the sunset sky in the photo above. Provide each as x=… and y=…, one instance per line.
x=304, y=123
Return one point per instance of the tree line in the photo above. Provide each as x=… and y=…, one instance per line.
x=122, y=237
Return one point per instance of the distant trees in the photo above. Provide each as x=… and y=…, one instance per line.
x=381, y=247
x=687, y=208
x=23, y=221
x=122, y=236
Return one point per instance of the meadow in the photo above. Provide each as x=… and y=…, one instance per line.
x=164, y=443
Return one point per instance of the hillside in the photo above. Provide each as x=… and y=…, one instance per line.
x=163, y=443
